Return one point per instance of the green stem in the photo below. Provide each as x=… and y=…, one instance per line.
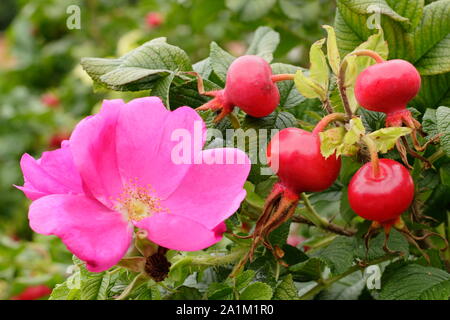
x=234, y=120
x=328, y=282
x=313, y=215
x=209, y=260
x=436, y=156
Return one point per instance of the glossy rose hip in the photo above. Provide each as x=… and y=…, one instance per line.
x=384, y=198
x=250, y=87
x=294, y=155
x=387, y=86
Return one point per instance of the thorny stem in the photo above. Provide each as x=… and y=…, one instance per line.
x=322, y=124
x=282, y=77
x=342, y=88
x=325, y=283
x=327, y=105
x=373, y=155
x=211, y=260
x=369, y=53
x=331, y=227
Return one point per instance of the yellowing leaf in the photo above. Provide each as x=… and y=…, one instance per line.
x=375, y=43
x=307, y=87
x=386, y=138
x=355, y=132
x=332, y=50
x=319, y=72
x=330, y=140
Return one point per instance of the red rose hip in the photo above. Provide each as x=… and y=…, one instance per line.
x=294, y=155
x=382, y=198
x=387, y=87
x=249, y=86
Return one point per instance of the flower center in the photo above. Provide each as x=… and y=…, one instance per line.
x=137, y=202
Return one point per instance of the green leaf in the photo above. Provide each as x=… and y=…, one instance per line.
x=372, y=120
x=257, y=291
x=308, y=270
x=279, y=236
x=289, y=95
x=244, y=279
x=386, y=138
x=286, y=290
x=363, y=7
x=339, y=254
x=443, y=125
x=161, y=88
x=203, y=68
x=429, y=123
x=397, y=242
x=348, y=288
x=138, y=69
x=186, y=94
x=345, y=210
x=264, y=43
x=250, y=10
x=318, y=71
x=437, y=60
x=332, y=50
x=431, y=38
x=220, y=61
x=275, y=120
x=330, y=140
x=219, y=291
x=416, y=282
x=94, y=286
x=184, y=293
x=63, y=292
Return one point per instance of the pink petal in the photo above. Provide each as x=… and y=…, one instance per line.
x=94, y=151
x=54, y=173
x=145, y=144
x=30, y=192
x=91, y=231
x=179, y=233
x=210, y=193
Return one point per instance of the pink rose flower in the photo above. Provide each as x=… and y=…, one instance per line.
x=116, y=172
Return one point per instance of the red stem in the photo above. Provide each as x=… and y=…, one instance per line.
x=373, y=156
x=322, y=124
x=282, y=77
x=369, y=53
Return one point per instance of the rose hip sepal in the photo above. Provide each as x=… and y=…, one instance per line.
x=249, y=86
x=123, y=158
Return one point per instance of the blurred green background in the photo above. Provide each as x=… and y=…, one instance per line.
x=44, y=91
